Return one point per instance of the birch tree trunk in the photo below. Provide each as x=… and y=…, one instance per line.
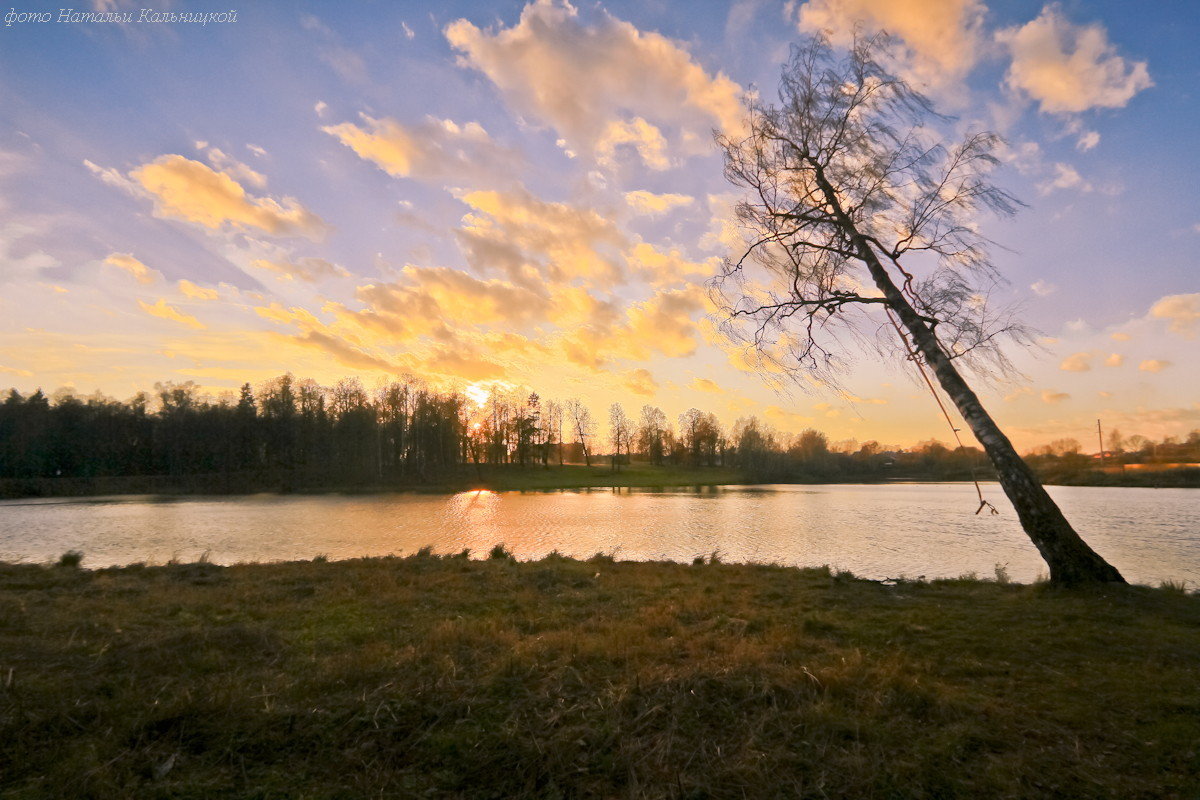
x=1071, y=560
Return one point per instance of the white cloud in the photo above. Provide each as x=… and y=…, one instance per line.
x=1042, y=288
x=1065, y=177
x=1087, y=140
x=1070, y=68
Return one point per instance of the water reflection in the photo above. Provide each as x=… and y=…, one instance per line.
x=873, y=530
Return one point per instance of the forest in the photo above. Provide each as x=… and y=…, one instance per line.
x=291, y=433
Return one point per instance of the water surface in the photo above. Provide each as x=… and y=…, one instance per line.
x=873, y=530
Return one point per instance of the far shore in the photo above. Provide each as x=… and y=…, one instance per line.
x=531, y=477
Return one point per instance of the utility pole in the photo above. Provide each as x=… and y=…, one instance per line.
x=1100, y=435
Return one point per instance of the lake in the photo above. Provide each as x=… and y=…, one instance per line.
x=875, y=531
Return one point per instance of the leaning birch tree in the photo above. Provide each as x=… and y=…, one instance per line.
x=860, y=222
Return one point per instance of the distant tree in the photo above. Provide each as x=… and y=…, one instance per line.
x=854, y=206
x=620, y=431
x=582, y=425
x=653, y=433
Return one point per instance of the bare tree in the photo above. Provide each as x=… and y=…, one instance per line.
x=583, y=426
x=620, y=431
x=858, y=219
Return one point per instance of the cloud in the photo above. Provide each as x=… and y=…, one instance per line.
x=433, y=149
x=653, y=205
x=194, y=192
x=1043, y=289
x=1065, y=177
x=786, y=420
x=1120, y=336
x=646, y=140
x=1079, y=362
x=194, y=292
x=231, y=166
x=527, y=238
x=939, y=39
x=1181, y=310
x=306, y=269
x=705, y=385
x=640, y=381
x=1087, y=140
x=23, y=373
x=164, y=311
x=1070, y=68
x=663, y=268
x=1054, y=398
x=1114, y=360
x=580, y=78
x=1153, y=365
x=661, y=324
x=124, y=261
x=342, y=351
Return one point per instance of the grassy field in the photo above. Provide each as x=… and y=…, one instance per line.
x=450, y=677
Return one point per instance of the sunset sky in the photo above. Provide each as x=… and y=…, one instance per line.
x=529, y=193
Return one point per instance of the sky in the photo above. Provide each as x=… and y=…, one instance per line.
x=528, y=194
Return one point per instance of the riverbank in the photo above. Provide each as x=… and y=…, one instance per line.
x=427, y=676
x=511, y=477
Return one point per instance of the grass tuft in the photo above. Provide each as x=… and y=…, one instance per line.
x=500, y=553
x=72, y=559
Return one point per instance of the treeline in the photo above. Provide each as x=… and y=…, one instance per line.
x=298, y=433
x=1133, y=460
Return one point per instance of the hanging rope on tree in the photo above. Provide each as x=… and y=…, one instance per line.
x=913, y=357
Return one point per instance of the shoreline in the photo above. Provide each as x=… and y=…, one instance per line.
x=530, y=478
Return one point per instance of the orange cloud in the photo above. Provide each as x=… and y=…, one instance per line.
x=640, y=381
x=1154, y=365
x=164, y=311
x=194, y=292
x=141, y=273
x=1079, y=362
x=651, y=204
x=432, y=149
x=194, y=192
x=939, y=40
x=306, y=269
x=522, y=236
x=1182, y=311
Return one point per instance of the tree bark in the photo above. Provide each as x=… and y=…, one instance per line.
x=1072, y=562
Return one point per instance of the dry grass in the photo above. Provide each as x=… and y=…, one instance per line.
x=429, y=676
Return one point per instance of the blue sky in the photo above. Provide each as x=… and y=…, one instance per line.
x=528, y=194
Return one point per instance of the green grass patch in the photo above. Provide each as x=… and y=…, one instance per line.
x=445, y=676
